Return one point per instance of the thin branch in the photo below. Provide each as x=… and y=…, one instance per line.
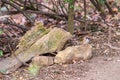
x=61, y=6
x=109, y=8
x=45, y=7
x=112, y=47
x=13, y=5
x=85, y=13
x=23, y=28
x=17, y=3
x=58, y=11
x=95, y=4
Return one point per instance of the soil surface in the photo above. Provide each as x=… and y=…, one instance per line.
x=104, y=65
x=103, y=69
x=98, y=68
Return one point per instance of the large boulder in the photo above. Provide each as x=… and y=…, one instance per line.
x=54, y=41
x=37, y=41
x=79, y=52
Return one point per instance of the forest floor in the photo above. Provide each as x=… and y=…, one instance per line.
x=104, y=65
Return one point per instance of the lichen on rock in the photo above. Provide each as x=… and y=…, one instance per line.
x=31, y=37
x=37, y=41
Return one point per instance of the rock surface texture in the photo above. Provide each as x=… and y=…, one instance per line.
x=42, y=61
x=74, y=53
x=37, y=41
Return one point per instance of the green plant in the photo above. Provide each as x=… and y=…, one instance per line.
x=1, y=31
x=1, y=53
x=70, y=2
x=101, y=1
x=33, y=70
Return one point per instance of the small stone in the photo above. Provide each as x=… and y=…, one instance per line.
x=42, y=60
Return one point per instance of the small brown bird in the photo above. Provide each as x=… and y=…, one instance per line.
x=84, y=40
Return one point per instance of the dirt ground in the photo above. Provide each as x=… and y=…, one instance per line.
x=104, y=65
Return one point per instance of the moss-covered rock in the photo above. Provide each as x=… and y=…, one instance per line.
x=51, y=42
x=31, y=37
x=37, y=41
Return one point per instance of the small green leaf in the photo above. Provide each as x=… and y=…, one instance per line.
x=33, y=69
x=102, y=1
x=1, y=31
x=1, y=53
x=11, y=1
x=71, y=6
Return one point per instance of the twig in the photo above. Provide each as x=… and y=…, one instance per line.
x=24, y=29
x=95, y=4
x=61, y=6
x=13, y=5
x=45, y=6
x=5, y=16
x=109, y=8
x=17, y=3
x=110, y=37
x=57, y=9
x=85, y=13
x=112, y=47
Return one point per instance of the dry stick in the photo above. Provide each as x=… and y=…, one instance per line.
x=110, y=37
x=110, y=34
x=101, y=10
x=5, y=16
x=53, y=6
x=57, y=7
x=13, y=5
x=51, y=15
x=61, y=6
x=31, y=4
x=45, y=6
x=25, y=2
x=110, y=27
x=6, y=7
x=109, y=8
x=11, y=23
x=63, y=3
x=24, y=29
x=85, y=13
x=58, y=16
x=17, y=3
x=98, y=7
x=112, y=47
x=95, y=4
x=36, y=1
